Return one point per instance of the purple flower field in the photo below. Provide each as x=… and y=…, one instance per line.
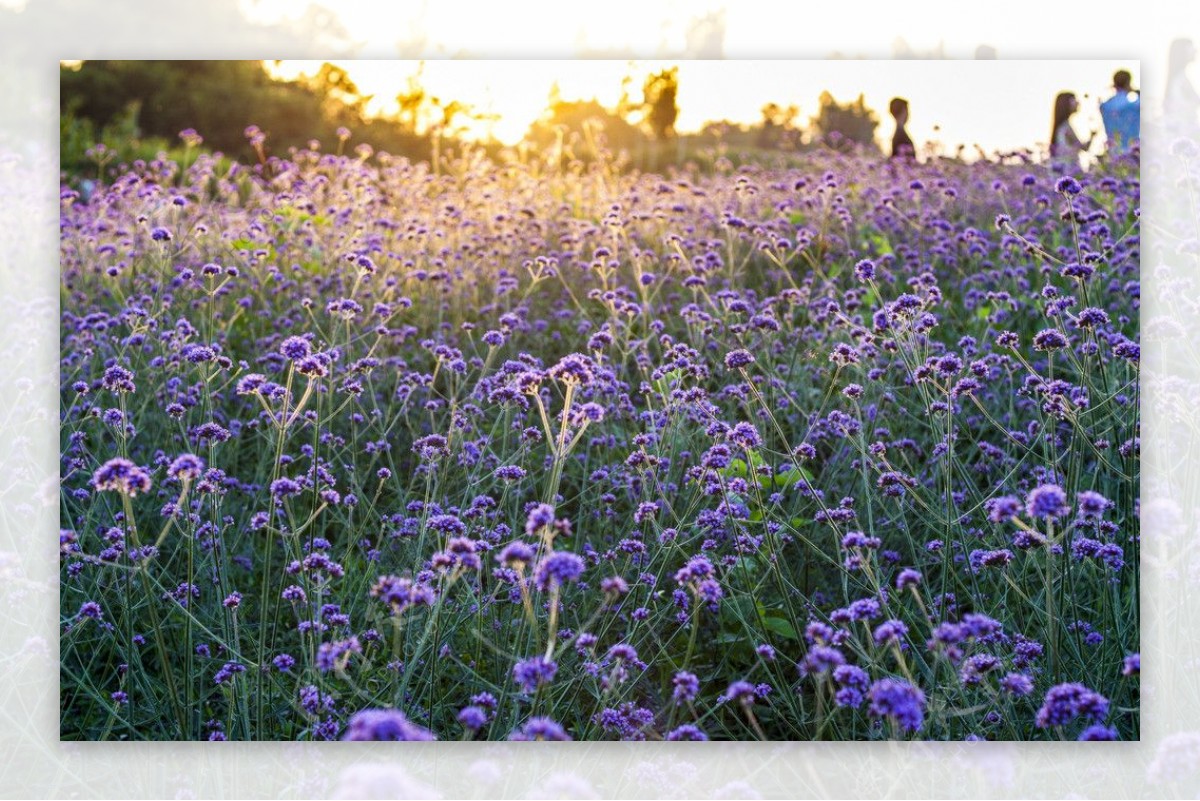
x=836, y=449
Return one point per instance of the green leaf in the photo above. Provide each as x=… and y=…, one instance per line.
x=737, y=469
x=789, y=478
x=780, y=626
x=775, y=623
x=663, y=385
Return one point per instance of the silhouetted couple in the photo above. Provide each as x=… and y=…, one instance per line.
x=1121, y=114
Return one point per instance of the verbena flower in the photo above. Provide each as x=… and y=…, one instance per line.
x=384, y=724
x=532, y=673
x=1065, y=702
x=186, y=467
x=737, y=359
x=899, y=701
x=556, y=569
x=540, y=728
x=123, y=476
x=686, y=732
x=1047, y=501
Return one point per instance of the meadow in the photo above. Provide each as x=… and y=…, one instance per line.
x=833, y=449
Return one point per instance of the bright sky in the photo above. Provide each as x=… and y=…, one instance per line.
x=994, y=103
x=998, y=104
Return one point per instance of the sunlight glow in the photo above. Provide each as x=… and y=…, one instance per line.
x=997, y=105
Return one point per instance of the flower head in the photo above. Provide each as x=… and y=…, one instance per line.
x=121, y=475
x=384, y=724
x=899, y=701
x=557, y=569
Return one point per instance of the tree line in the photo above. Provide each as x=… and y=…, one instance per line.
x=138, y=108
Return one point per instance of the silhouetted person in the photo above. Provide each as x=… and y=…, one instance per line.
x=1180, y=101
x=1065, y=145
x=1122, y=114
x=902, y=143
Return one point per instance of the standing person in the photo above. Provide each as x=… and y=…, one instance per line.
x=1065, y=145
x=1180, y=101
x=1122, y=114
x=902, y=143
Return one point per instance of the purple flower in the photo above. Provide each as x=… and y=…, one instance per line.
x=509, y=473
x=864, y=609
x=285, y=488
x=624, y=652
x=745, y=435
x=1092, y=504
x=1047, y=500
x=118, y=379
x=295, y=348
x=686, y=732
x=516, y=553
x=741, y=691
x=1002, y=509
x=557, y=569
x=431, y=447
x=384, y=724
x=540, y=729
x=980, y=559
x=852, y=685
x=402, y=593
x=227, y=671
x=614, y=585
x=251, y=383
x=899, y=701
x=1017, y=684
x=890, y=631
x=473, y=718
x=1067, y=186
x=844, y=355
x=121, y=475
x=335, y=655
x=574, y=369
x=737, y=359
x=539, y=517
x=697, y=569
x=1091, y=318
x=1065, y=702
x=186, y=467
x=532, y=673
x=1098, y=732
x=1132, y=665
x=820, y=659
x=1049, y=339
x=686, y=686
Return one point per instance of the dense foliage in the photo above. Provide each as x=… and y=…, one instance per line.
x=351, y=449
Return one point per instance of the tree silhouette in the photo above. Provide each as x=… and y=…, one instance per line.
x=843, y=125
x=779, y=126
x=219, y=99
x=581, y=126
x=659, y=93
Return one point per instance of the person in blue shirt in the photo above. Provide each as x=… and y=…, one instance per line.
x=1122, y=114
